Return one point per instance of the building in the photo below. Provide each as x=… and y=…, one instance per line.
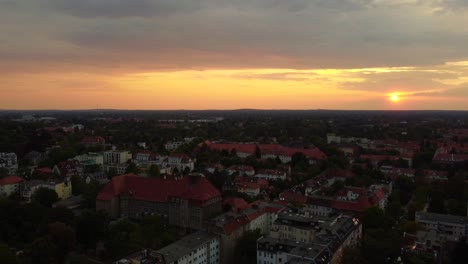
x=271, y=175
x=252, y=189
x=172, y=145
x=10, y=185
x=232, y=225
x=439, y=229
x=9, y=161
x=119, y=168
x=182, y=201
x=90, y=159
x=63, y=188
x=297, y=238
x=117, y=157
x=180, y=162
x=198, y=248
x=67, y=169
x=93, y=140
x=357, y=200
x=241, y=170
x=147, y=158
x=285, y=154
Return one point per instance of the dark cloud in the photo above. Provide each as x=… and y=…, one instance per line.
x=300, y=34
x=119, y=8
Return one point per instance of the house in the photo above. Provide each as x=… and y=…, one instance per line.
x=271, y=175
x=299, y=238
x=439, y=233
x=93, y=140
x=285, y=154
x=148, y=158
x=117, y=157
x=34, y=157
x=180, y=162
x=241, y=170
x=213, y=167
x=67, y=169
x=62, y=187
x=436, y=175
x=377, y=160
x=232, y=225
x=90, y=159
x=242, y=150
x=186, y=201
x=357, y=200
x=10, y=185
x=252, y=189
x=237, y=204
x=9, y=161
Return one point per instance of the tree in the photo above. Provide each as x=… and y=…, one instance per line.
x=124, y=237
x=112, y=172
x=352, y=255
x=460, y=252
x=154, y=171
x=42, y=251
x=64, y=238
x=3, y=172
x=77, y=259
x=132, y=168
x=78, y=185
x=91, y=227
x=154, y=234
x=7, y=255
x=62, y=215
x=45, y=197
x=246, y=248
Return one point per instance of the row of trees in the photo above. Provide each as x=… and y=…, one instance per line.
x=52, y=235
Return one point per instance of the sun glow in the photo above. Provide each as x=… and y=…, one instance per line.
x=394, y=97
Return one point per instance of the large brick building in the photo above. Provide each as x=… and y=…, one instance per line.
x=184, y=201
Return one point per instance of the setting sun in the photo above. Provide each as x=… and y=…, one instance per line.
x=394, y=98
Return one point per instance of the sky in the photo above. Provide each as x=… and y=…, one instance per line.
x=220, y=54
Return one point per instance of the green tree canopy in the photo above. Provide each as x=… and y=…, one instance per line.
x=45, y=197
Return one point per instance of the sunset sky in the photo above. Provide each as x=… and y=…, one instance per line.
x=220, y=54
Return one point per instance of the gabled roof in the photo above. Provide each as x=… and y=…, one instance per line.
x=69, y=166
x=11, y=180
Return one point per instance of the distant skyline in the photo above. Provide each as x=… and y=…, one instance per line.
x=219, y=54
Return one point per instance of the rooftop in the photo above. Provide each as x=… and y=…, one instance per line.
x=185, y=246
x=443, y=218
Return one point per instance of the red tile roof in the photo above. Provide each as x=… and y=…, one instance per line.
x=236, y=203
x=192, y=188
x=10, y=180
x=293, y=197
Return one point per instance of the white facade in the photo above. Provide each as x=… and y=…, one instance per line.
x=180, y=162
x=117, y=157
x=10, y=162
x=9, y=189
